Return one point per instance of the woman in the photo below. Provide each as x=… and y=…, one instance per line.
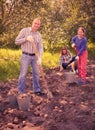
x=65, y=58
x=79, y=43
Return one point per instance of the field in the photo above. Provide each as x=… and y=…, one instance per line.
x=72, y=107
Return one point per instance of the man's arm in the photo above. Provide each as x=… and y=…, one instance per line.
x=20, y=39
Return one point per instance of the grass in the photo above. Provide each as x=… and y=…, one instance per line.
x=91, y=50
x=10, y=61
x=10, y=65
x=50, y=60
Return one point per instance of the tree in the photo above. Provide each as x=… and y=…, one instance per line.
x=60, y=20
x=89, y=8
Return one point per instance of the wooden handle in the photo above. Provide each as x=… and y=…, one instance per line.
x=35, y=50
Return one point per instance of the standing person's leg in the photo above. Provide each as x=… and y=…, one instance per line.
x=83, y=65
x=35, y=70
x=79, y=67
x=24, y=63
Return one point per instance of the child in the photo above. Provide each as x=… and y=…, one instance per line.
x=79, y=43
x=65, y=57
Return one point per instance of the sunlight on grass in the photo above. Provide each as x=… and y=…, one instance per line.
x=10, y=63
x=50, y=60
x=8, y=54
x=91, y=50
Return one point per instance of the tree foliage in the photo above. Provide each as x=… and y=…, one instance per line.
x=60, y=20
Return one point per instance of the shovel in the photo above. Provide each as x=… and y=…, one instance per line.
x=49, y=94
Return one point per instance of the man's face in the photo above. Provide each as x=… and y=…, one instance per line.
x=36, y=24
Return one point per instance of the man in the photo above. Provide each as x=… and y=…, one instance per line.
x=31, y=42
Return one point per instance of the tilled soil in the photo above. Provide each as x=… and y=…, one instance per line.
x=71, y=107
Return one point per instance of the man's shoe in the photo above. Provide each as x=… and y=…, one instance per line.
x=39, y=93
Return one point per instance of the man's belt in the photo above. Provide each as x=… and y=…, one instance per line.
x=29, y=54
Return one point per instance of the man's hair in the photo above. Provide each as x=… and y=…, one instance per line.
x=37, y=18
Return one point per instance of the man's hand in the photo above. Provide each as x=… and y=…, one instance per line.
x=30, y=38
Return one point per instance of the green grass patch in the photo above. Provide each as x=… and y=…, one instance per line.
x=50, y=60
x=10, y=63
x=91, y=50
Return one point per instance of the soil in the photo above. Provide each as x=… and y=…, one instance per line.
x=71, y=107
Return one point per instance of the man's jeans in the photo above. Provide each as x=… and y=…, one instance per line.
x=25, y=61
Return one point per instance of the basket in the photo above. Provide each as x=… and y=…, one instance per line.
x=24, y=102
x=13, y=100
x=12, y=96
x=70, y=77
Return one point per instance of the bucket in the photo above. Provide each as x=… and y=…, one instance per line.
x=70, y=77
x=12, y=96
x=24, y=102
x=13, y=100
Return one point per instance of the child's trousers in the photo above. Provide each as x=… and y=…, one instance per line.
x=82, y=65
